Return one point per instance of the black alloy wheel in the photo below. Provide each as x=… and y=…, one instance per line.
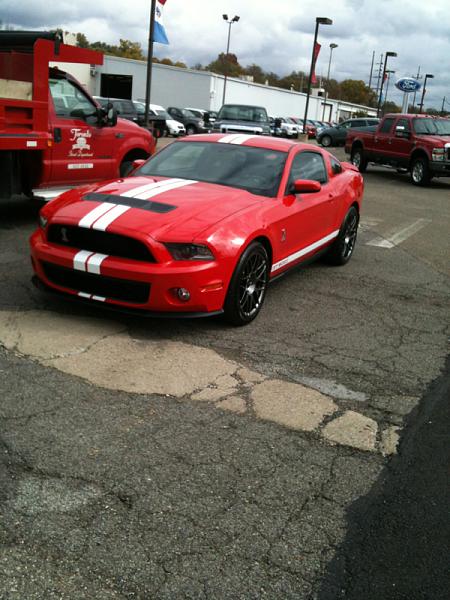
x=326, y=141
x=342, y=249
x=248, y=285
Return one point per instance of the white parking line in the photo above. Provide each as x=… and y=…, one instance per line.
x=396, y=237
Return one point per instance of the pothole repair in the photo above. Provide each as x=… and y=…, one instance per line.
x=103, y=353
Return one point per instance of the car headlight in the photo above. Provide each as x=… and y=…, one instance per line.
x=43, y=221
x=438, y=154
x=189, y=252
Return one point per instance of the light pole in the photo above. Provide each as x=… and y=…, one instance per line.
x=319, y=21
x=332, y=47
x=387, y=55
x=230, y=22
x=389, y=72
x=427, y=76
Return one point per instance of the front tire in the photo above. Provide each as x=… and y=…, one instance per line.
x=248, y=286
x=358, y=159
x=326, y=141
x=341, y=250
x=420, y=171
x=191, y=130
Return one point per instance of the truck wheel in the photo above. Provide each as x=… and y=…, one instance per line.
x=358, y=159
x=125, y=168
x=191, y=129
x=326, y=141
x=420, y=171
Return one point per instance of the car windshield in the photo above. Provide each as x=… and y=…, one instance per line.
x=187, y=113
x=254, y=114
x=432, y=126
x=257, y=170
x=163, y=113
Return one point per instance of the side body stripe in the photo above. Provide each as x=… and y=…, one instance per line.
x=296, y=255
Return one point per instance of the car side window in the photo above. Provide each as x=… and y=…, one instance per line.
x=387, y=125
x=69, y=100
x=358, y=123
x=345, y=124
x=308, y=165
x=336, y=166
x=405, y=124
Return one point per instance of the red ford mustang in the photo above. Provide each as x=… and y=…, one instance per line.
x=201, y=227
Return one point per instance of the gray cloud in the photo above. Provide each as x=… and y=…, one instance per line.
x=277, y=36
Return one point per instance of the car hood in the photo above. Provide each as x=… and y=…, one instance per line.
x=173, y=123
x=437, y=140
x=167, y=209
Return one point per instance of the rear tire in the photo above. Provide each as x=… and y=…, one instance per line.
x=358, y=159
x=420, y=171
x=326, y=141
x=341, y=250
x=248, y=286
x=191, y=130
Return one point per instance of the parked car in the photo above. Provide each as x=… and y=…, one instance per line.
x=201, y=228
x=418, y=144
x=335, y=136
x=288, y=127
x=171, y=127
x=206, y=115
x=309, y=128
x=124, y=108
x=242, y=118
x=192, y=123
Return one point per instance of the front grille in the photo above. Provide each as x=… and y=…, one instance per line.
x=99, y=241
x=136, y=292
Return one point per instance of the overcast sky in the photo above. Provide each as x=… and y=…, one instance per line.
x=277, y=35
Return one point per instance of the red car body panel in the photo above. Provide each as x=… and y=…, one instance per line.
x=225, y=219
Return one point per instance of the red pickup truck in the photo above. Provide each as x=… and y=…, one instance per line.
x=419, y=144
x=53, y=135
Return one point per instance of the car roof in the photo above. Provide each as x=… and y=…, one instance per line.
x=255, y=141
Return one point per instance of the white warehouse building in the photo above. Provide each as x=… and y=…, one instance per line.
x=174, y=86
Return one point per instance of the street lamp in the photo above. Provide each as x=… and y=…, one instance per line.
x=319, y=21
x=427, y=76
x=332, y=47
x=230, y=22
x=386, y=56
x=389, y=72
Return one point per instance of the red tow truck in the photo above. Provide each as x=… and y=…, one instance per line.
x=418, y=144
x=53, y=135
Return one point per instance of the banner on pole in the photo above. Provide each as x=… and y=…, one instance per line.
x=159, y=32
x=317, y=48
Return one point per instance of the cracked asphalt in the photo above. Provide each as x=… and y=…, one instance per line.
x=107, y=493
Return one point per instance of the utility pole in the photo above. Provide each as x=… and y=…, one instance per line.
x=371, y=69
x=148, y=85
x=414, y=97
x=443, y=105
x=380, y=66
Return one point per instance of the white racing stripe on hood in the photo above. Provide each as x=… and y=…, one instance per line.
x=134, y=192
x=95, y=214
x=236, y=138
x=110, y=216
x=166, y=188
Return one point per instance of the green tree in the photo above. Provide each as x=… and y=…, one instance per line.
x=255, y=71
x=82, y=41
x=129, y=49
x=226, y=64
x=390, y=107
x=357, y=92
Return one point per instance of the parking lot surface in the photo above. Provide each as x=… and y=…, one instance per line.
x=147, y=458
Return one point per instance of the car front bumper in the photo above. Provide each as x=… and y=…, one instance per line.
x=440, y=167
x=131, y=284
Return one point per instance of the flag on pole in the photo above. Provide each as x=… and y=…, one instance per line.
x=159, y=33
x=317, y=48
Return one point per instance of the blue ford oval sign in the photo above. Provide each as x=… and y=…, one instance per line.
x=408, y=84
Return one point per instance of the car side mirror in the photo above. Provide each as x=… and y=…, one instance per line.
x=137, y=163
x=111, y=115
x=306, y=186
